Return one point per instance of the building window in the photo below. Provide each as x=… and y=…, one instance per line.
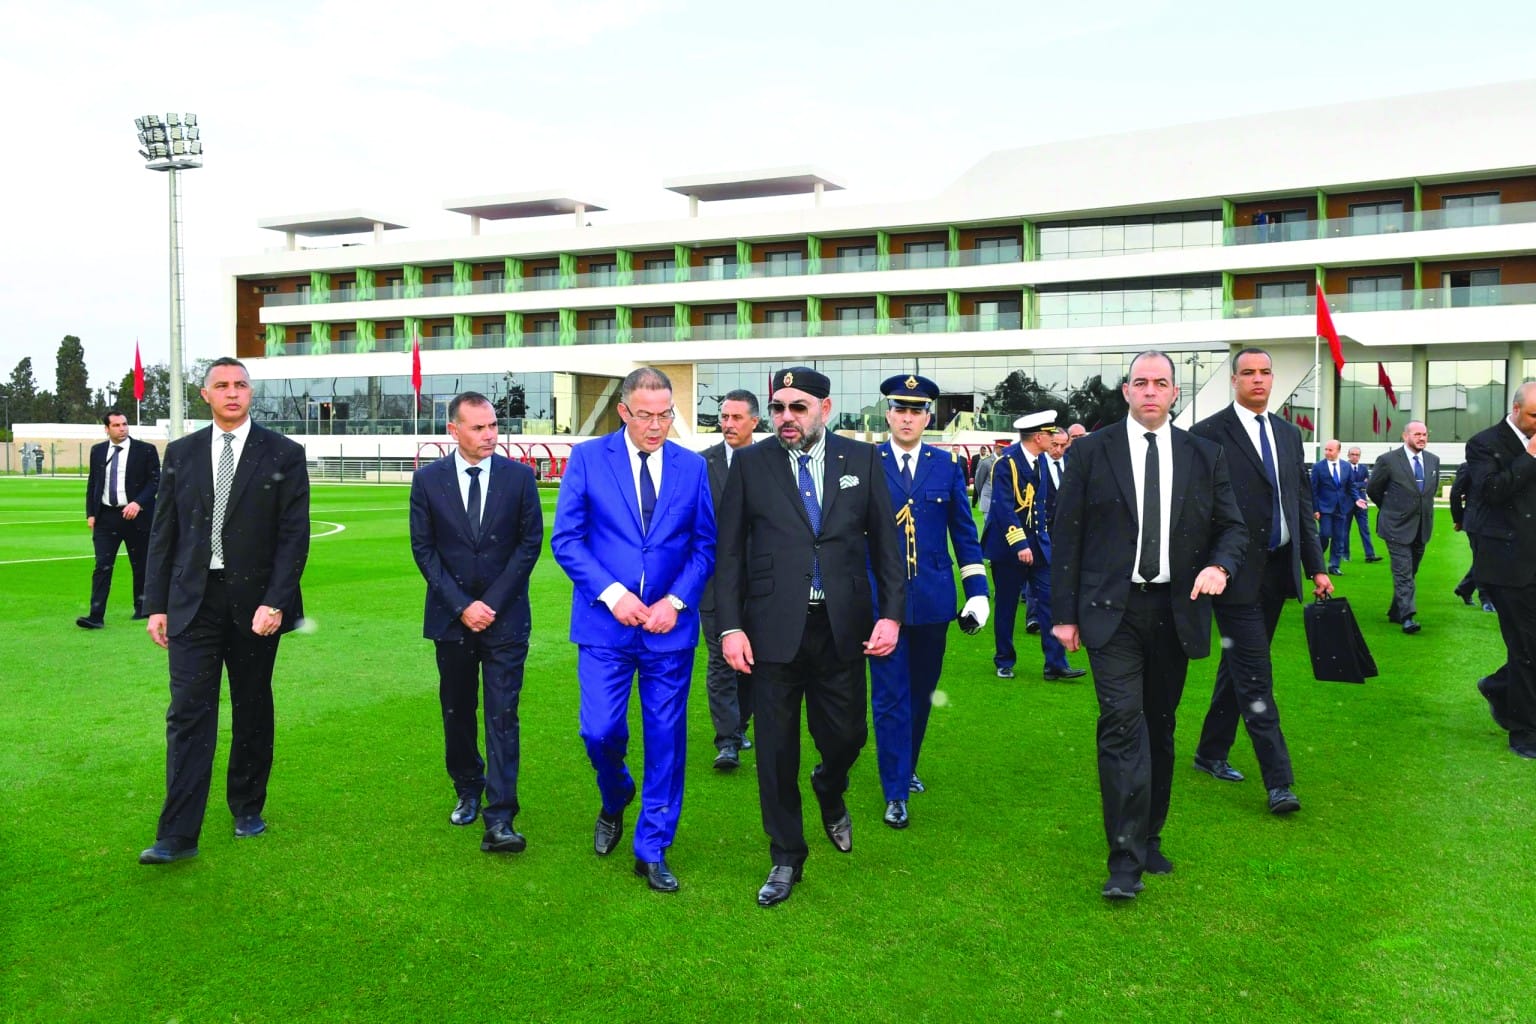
x=925, y=317
x=924, y=254
x=784, y=323
x=1279, y=226
x=1366, y=413
x=856, y=257
x=718, y=326
x=1151, y=300
x=997, y=250
x=1472, y=209
x=1121, y=236
x=855, y=320
x=718, y=268
x=494, y=280
x=1375, y=293
x=1283, y=298
x=998, y=315
x=1465, y=395
x=542, y=332
x=394, y=288
x=658, y=271
x=601, y=330
x=1376, y=218
x=545, y=277
x=602, y=273
x=784, y=264
x=494, y=334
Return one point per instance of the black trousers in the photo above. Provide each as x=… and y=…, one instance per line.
x=730, y=692
x=1469, y=582
x=110, y=532
x=1245, y=678
x=1404, y=559
x=460, y=665
x=1514, y=687
x=1138, y=677
x=833, y=692
x=219, y=638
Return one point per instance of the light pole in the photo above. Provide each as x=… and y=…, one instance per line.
x=173, y=145
x=1197, y=363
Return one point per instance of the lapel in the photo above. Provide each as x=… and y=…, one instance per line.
x=1117, y=448
x=200, y=451
x=245, y=469
x=669, y=480
x=1237, y=437
x=617, y=457
x=834, y=468
x=448, y=490
x=780, y=471
x=718, y=469
x=922, y=465
x=890, y=463
x=1183, y=455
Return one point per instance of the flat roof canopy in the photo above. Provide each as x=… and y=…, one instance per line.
x=777, y=181
x=520, y=204
x=340, y=222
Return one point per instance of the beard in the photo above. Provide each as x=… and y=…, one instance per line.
x=806, y=441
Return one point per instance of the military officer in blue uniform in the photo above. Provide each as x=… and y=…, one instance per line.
x=928, y=496
x=1017, y=541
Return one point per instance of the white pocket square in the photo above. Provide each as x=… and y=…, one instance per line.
x=845, y=482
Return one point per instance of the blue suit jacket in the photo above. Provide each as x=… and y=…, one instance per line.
x=929, y=518
x=495, y=568
x=1021, y=508
x=1329, y=497
x=598, y=541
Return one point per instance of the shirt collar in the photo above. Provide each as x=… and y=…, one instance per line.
x=1518, y=432
x=1164, y=432
x=634, y=453
x=460, y=463
x=898, y=451
x=241, y=432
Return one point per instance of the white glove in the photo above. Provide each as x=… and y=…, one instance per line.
x=977, y=607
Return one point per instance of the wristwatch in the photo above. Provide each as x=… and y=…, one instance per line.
x=676, y=603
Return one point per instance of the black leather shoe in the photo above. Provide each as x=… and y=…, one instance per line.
x=916, y=785
x=1005, y=673
x=1465, y=593
x=465, y=811
x=166, y=853
x=88, y=623
x=840, y=831
x=1283, y=801
x=1410, y=626
x=1122, y=887
x=1032, y=627
x=249, y=825
x=1157, y=864
x=727, y=760
x=657, y=875
x=1218, y=770
x=1484, y=687
x=1373, y=558
x=1055, y=675
x=607, y=833
x=895, y=814
x=140, y=615
x=781, y=882
x=501, y=838
x=1521, y=749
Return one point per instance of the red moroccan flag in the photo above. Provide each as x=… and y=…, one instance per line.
x=1304, y=421
x=1385, y=383
x=138, y=373
x=1375, y=421
x=1325, y=329
x=1388, y=431
x=415, y=366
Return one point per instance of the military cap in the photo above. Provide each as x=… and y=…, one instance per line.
x=909, y=389
x=802, y=378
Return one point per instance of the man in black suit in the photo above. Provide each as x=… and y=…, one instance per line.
x=228, y=546
x=730, y=692
x=476, y=533
x=1464, y=518
x=1503, y=461
x=804, y=522
x=1403, y=485
x=119, y=506
x=1146, y=530
x=1267, y=466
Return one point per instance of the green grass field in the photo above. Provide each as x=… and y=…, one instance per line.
x=1401, y=892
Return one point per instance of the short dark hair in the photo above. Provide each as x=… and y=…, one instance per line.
x=1251, y=351
x=225, y=361
x=743, y=395
x=466, y=398
x=647, y=378
x=106, y=420
x=1148, y=354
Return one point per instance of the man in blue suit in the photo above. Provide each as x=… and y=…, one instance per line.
x=1017, y=541
x=635, y=532
x=1334, y=495
x=927, y=486
x=1361, y=514
x=476, y=532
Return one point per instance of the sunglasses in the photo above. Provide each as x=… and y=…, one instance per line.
x=798, y=408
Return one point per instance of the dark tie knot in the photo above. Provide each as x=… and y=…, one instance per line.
x=1151, y=437
x=473, y=471
x=643, y=455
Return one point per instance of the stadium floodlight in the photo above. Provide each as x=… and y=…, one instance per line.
x=172, y=145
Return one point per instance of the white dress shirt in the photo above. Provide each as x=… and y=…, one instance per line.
x=1134, y=434
x=1250, y=424
x=460, y=465
x=615, y=590
x=121, y=497
x=216, y=450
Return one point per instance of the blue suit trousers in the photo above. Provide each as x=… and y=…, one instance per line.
x=901, y=686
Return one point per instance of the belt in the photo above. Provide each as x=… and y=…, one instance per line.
x=1151, y=588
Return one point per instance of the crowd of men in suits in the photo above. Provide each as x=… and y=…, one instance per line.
x=804, y=559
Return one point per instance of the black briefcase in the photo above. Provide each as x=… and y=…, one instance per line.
x=1338, y=651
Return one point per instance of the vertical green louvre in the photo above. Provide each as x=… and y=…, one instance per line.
x=624, y=264
x=514, y=335
x=277, y=334
x=954, y=246
x=513, y=268
x=743, y=258
x=1228, y=280
x=1031, y=318
x=367, y=340
x=683, y=257
x=1031, y=240
x=567, y=271
x=567, y=327
x=319, y=286
x=365, y=284
x=1322, y=214
x=463, y=329
x=412, y=325
x=952, y=311
x=1418, y=205
x=812, y=255
x=623, y=325
x=412, y=276
x=682, y=322
x=813, y=316
x=319, y=338
x=463, y=278
x=882, y=313
x=882, y=250
x=743, y=319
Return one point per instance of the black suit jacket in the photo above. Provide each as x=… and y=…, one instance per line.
x=1463, y=504
x=1503, y=490
x=1255, y=498
x=494, y=567
x=1407, y=514
x=142, y=467
x=1097, y=524
x=766, y=544
x=714, y=460
x=266, y=529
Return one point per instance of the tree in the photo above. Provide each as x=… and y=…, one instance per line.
x=22, y=393
x=1096, y=403
x=1019, y=393
x=157, y=393
x=72, y=388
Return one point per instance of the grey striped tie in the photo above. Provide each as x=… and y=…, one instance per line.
x=221, y=483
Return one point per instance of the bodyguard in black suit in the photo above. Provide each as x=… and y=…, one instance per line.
x=1503, y=461
x=804, y=522
x=119, y=507
x=1267, y=466
x=476, y=533
x=229, y=543
x=1146, y=530
x=1464, y=518
x=1403, y=485
x=730, y=692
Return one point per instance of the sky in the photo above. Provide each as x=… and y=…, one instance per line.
x=395, y=107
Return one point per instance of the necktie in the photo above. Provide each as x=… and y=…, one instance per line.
x=906, y=471
x=813, y=511
x=647, y=493
x=1055, y=473
x=1151, y=523
x=221, y=484
x=473, y=506
x=117, y=450
x=1418, y=471
x=1268, y=454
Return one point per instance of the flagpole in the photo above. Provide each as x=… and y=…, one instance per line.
x=1317, y=393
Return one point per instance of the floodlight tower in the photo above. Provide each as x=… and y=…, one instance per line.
x=172, y=145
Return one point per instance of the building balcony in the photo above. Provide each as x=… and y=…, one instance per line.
x=1382, y=224
x=1373, y=302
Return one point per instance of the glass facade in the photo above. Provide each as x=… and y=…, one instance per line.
x=1148, y=300
x=1366, y=411
x=1465, y=396
x=383, y=405
x=1121, y=236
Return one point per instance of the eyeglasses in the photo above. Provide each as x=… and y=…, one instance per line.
x=798, y=408
x=648, y=418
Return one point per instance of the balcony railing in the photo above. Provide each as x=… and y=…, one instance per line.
x=1370, y=302
x=1382, y=224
